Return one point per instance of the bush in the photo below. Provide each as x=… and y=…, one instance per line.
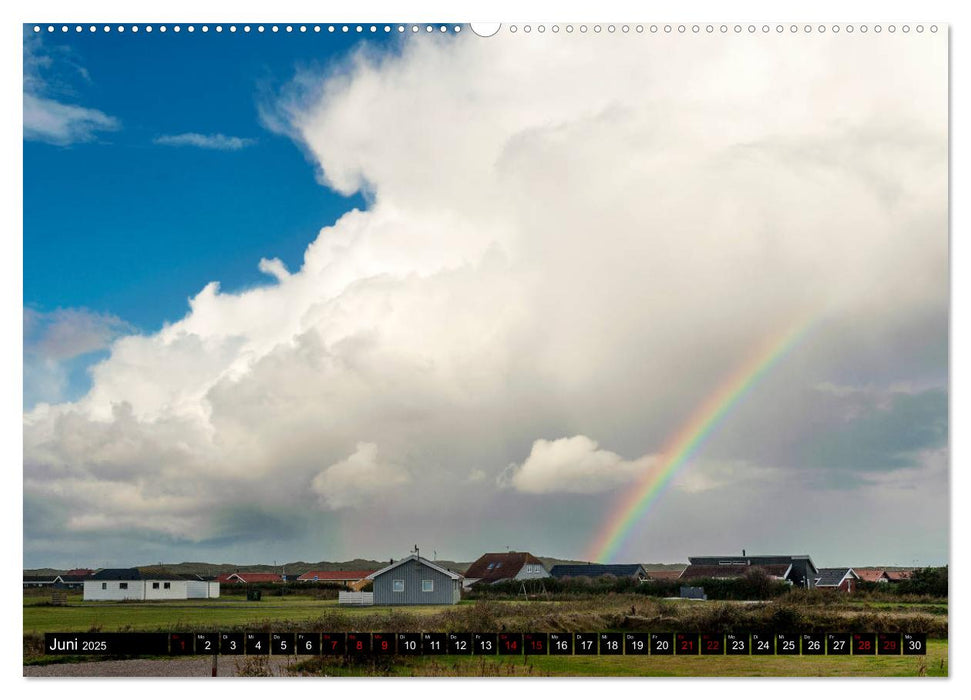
x=931, y=581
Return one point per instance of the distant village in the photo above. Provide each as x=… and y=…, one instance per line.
x=415, y=580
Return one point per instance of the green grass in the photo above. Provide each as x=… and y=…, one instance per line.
x=934, y=664
x=596, y=613
x=188, y=615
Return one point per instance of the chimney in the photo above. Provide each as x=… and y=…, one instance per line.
x=743, y=552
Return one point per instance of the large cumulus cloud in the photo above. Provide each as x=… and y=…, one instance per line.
x=565, y=236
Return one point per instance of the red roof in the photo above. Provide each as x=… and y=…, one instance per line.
x=335, y=575
x=894, y=576
x=498, y=566
x=869, y=574
x=79, y=572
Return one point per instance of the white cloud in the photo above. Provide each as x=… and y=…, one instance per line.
x=357, y=479
x=47, y=117
x=62, y=124
x=275, y=268
x=52, y=339
x=216, y=142
x=575, y=465
x=65, y=333
x=563, y=237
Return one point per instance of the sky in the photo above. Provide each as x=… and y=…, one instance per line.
x=325, y=296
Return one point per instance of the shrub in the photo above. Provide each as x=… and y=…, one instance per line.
x=930, y=581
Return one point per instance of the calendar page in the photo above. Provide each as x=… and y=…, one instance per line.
x=526, y=349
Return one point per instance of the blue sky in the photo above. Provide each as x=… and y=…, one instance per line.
x=562, y=246
x=121, y=224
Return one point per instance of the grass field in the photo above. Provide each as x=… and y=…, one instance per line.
x=186, y=615
x=934, y=664
x=601, y=613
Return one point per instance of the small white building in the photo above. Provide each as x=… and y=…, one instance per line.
x=135, y=584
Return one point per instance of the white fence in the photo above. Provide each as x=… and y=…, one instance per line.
x=355, y=598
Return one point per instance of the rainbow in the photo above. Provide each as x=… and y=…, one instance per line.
x=684, y=444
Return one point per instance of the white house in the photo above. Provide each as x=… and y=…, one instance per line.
x=146, y=584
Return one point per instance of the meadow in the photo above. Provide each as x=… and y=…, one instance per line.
x=611, y=612
x=932, y=665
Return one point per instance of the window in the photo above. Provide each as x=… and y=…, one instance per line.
x=529, y=568
x=427, y=586
x=167, y=585
x=104, y=586
x=123, y=586
x=398, y=585
x=155, y=585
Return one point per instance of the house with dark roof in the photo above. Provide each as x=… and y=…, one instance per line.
x=73, y=581
x=350, y=579
x=416, y=581
x=250, y=577
x=732, y=571
x=568, y=571
x=664, y=574
x=494, y=567
x=841, y=579
x=74, y=578
x=149, y=583
x=41, y=581
x=798, y=569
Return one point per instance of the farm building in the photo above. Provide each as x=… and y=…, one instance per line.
x=567, y=571
x=842, y=579
x=351, y=579
x=495, y=567
x=416, y=581
x=249, y=577
x=146, y=584
x=798, y=569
